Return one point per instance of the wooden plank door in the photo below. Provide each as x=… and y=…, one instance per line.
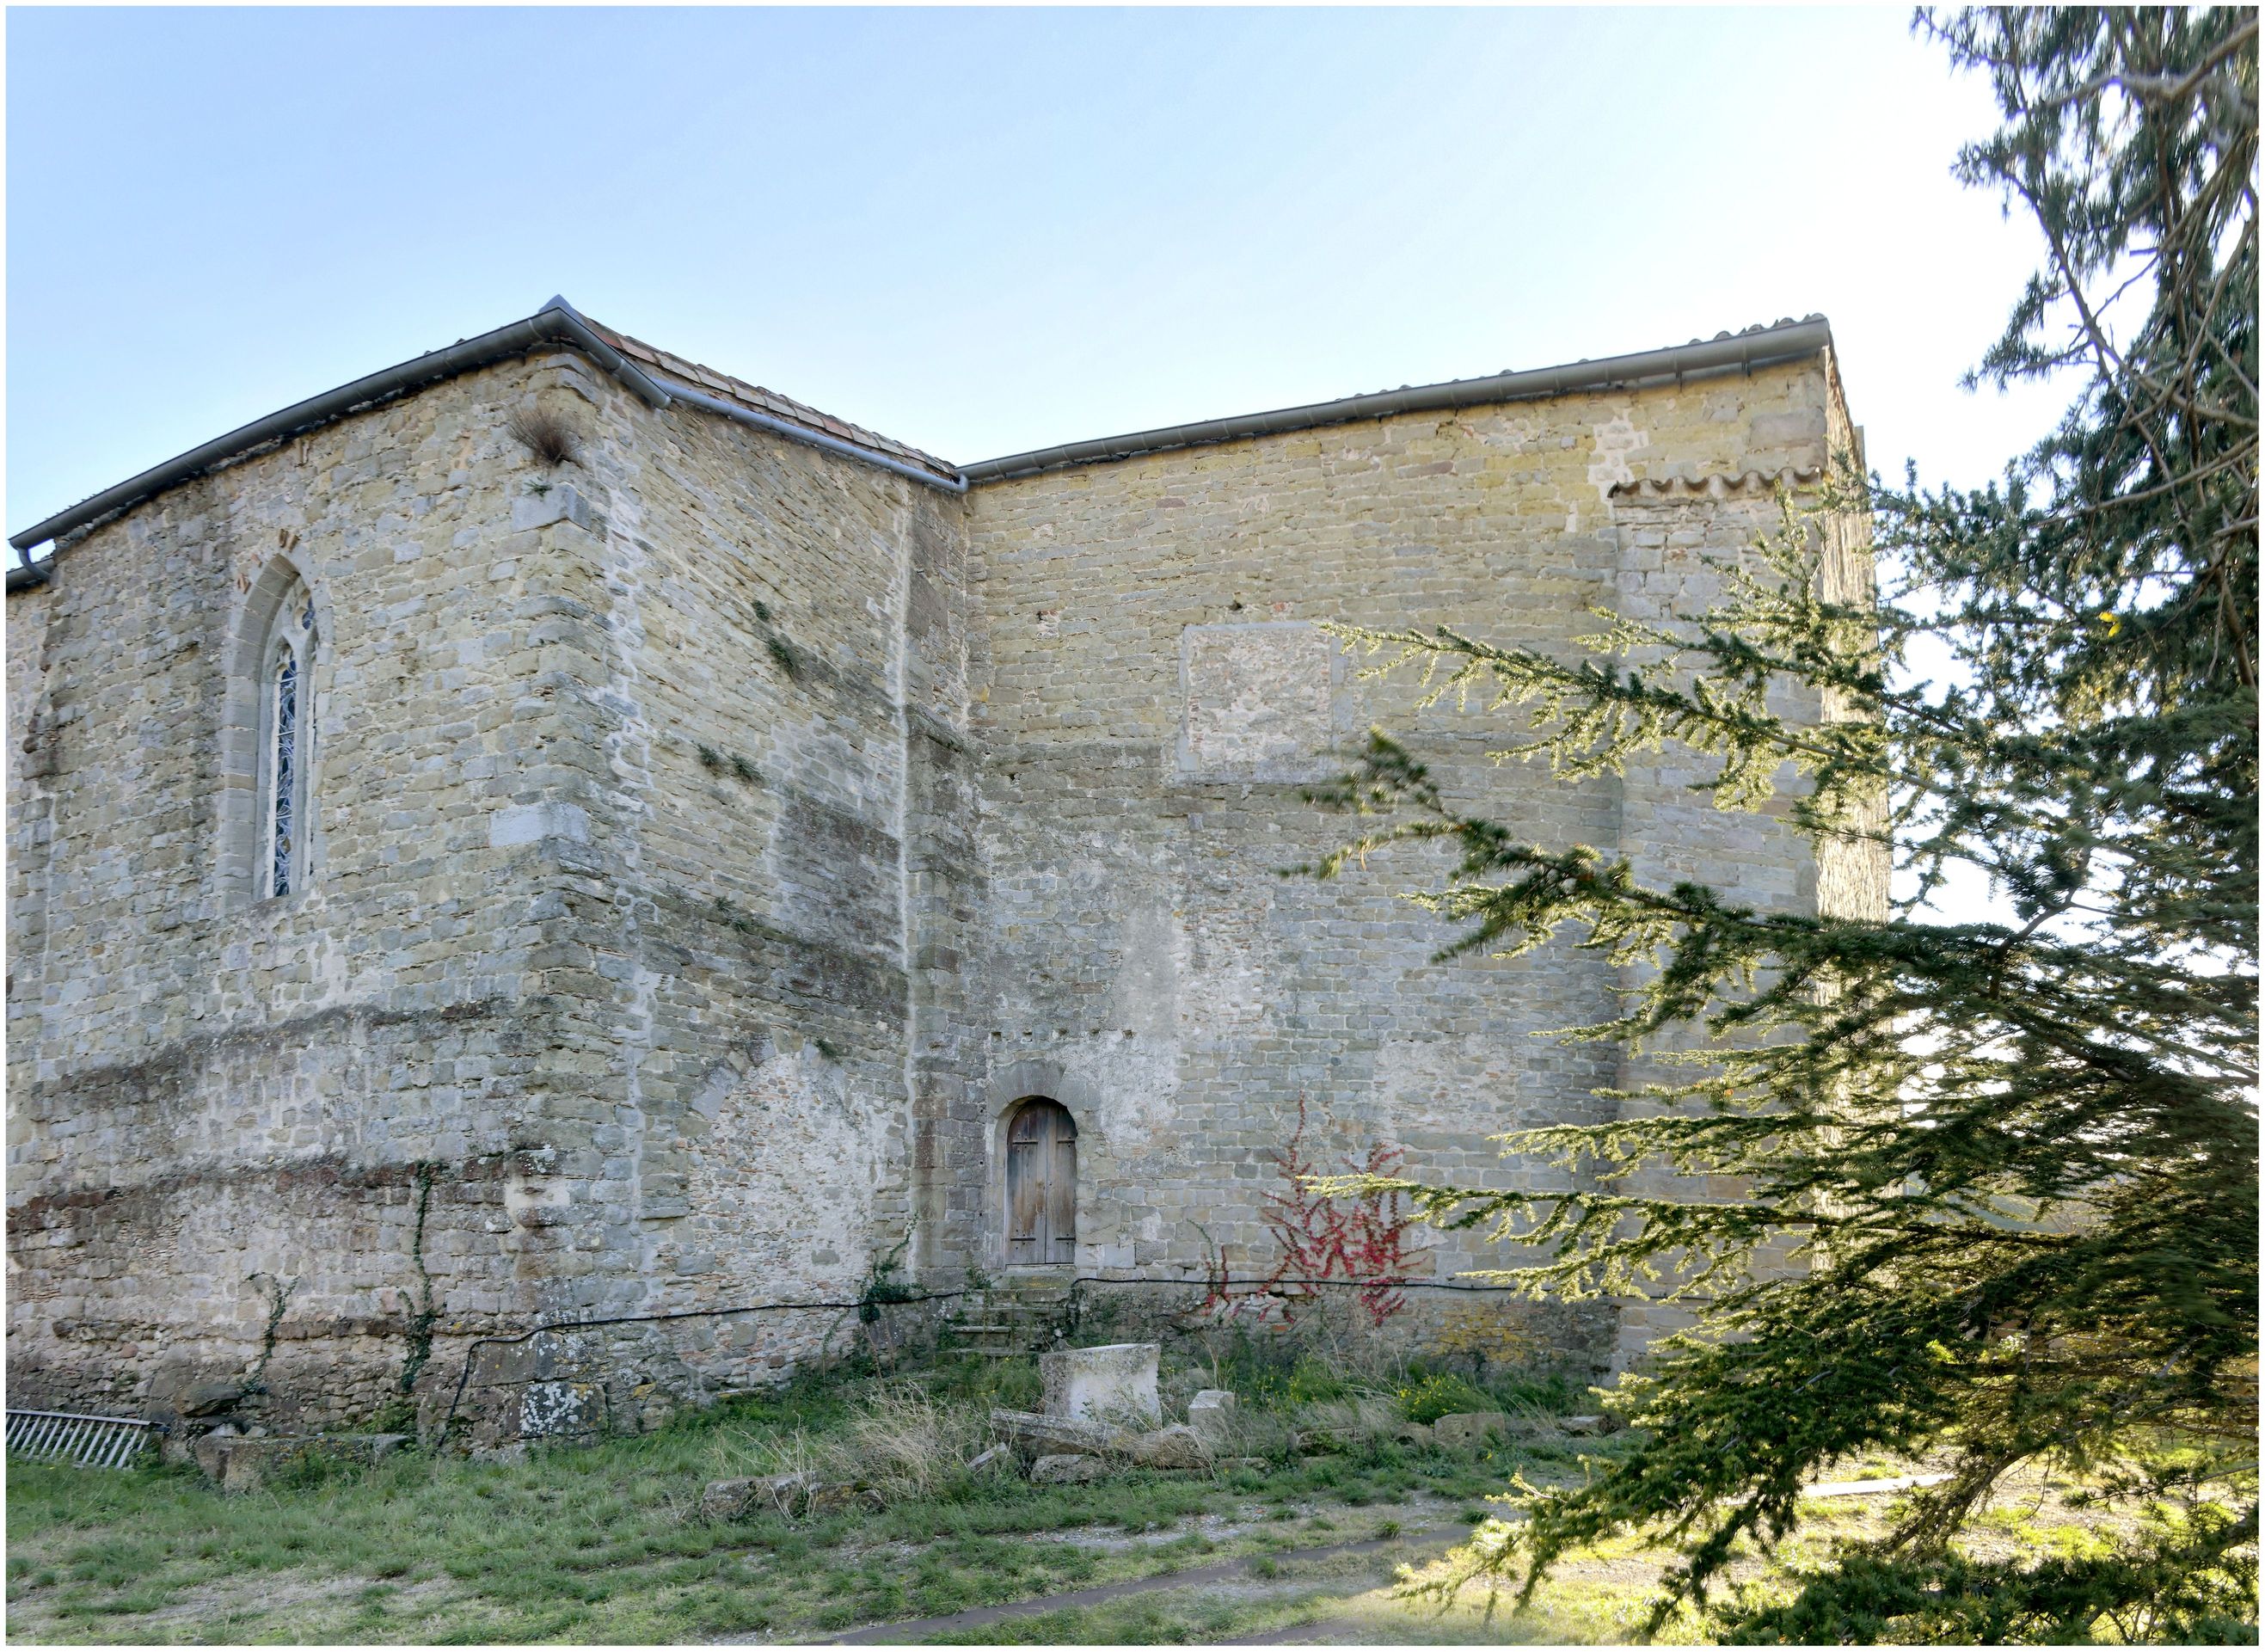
x=1042, y=1185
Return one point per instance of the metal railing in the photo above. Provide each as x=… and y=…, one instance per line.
x=84, y=1442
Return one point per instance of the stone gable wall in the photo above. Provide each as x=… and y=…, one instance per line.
x=1149, y=697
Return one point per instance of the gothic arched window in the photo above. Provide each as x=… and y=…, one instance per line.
x=285, y=742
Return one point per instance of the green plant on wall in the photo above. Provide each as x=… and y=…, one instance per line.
x=426, y=1314
x=279, y=1293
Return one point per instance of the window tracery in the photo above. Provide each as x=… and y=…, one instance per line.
x=287, y=684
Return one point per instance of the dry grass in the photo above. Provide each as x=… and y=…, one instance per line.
x=1356, y=1422
x=551, y=439
x=900, y=1440
x=905, y=1443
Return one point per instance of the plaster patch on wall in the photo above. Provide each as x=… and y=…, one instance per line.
x=787, y=1171
x=1256, y=698
x=1435, y=1093
x=1615, y=439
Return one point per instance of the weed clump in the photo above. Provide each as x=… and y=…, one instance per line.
x=1442, y=1394
x=551, y=439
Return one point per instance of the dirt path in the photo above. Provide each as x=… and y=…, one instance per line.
x=1252, y=1569
x=1322, y=1631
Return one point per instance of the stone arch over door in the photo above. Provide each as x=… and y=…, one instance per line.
x=1041, y=1204
x=1011, y=1087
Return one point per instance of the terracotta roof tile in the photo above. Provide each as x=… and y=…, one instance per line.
x=755, y=396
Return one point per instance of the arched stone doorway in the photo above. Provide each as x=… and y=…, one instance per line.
x=1041, y=1184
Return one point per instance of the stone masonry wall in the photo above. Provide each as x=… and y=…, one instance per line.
x=329, y=1098
x=767, y=649
x=714, y=840
x=1149, y=695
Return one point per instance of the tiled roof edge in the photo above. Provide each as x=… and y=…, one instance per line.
x=627, y=358
x=556, y=323
x=1726, y=352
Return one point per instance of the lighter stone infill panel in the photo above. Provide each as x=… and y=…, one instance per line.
x=1254, y=698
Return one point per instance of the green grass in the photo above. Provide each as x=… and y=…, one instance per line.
x=604, y=1543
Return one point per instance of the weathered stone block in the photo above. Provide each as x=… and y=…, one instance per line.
x=1036, y=1433
x=1066, y=1469
x=1210, y=1414
x=210, y=1399
x=737, y=1499
x=1459, y=1430
x=840, y=1497
x=1178, y=1446
x=1115, y=1384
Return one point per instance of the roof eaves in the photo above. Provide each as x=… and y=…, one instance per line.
x=1726, y=352
x=556, y=323
x=755, y=398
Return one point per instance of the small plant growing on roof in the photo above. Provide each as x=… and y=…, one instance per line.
x=710, y=757
x=745, y=770
x=784, y=655
x=550, y=438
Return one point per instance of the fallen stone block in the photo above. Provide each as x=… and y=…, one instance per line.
x=244, y=1462
x=1592, y=1423
x=840, y=1497
x=1418, y=1434
x=991, y=1459
x=1039, y=1434
x=1211, y=1414
x=1178, y=1446
x=1068, y=1468
x=727, y=1499
x=1461, y=1430
x=737, y=1499
x=1114, y=1383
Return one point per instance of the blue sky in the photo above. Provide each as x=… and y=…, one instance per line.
x=982, y=230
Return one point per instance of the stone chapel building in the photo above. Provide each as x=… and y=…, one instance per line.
x=454, y=889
